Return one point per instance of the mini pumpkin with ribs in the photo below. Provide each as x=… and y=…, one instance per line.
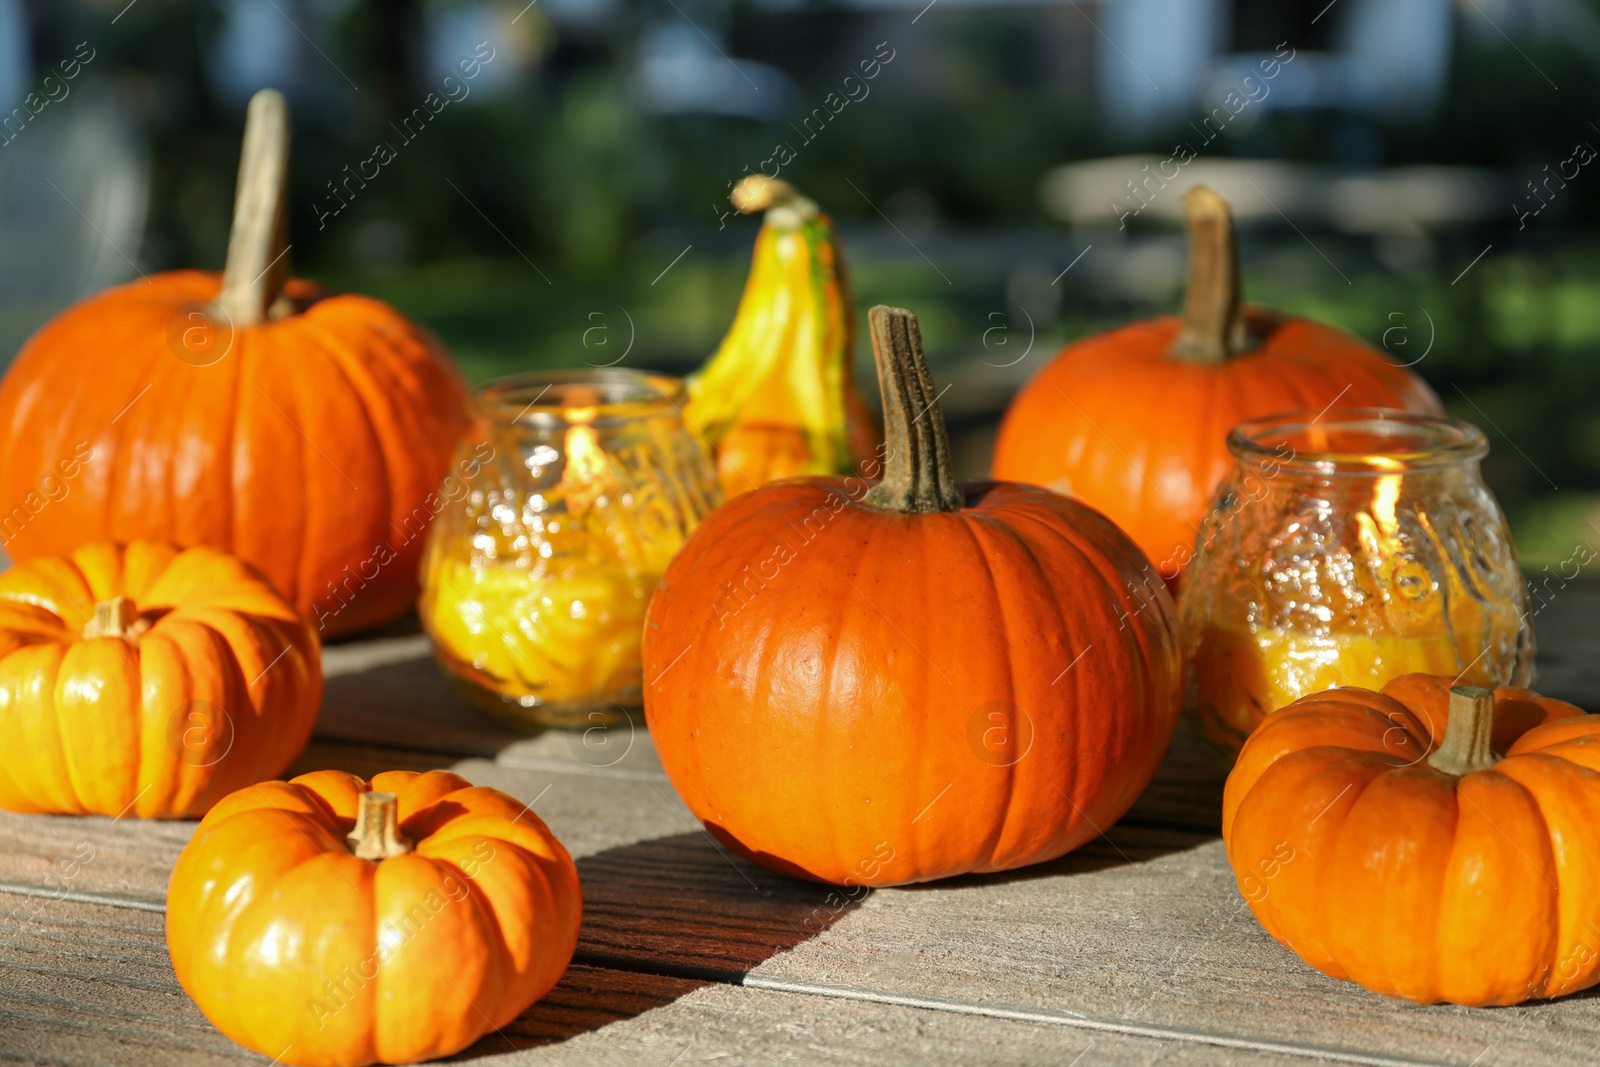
x=147, y=680
x=332, y=921
x=1429, y=841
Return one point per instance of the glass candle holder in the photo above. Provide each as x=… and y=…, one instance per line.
x=1348, y=548
x=575, y=490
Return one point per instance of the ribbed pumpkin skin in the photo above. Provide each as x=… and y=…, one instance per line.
x=1374, y=867
x=295, y=948
x=220, y=692
x=835, y=725
x=1116, y=422
x=317, y=438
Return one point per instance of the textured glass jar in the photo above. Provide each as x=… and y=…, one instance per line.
x=1348, y=548
x=576, y=489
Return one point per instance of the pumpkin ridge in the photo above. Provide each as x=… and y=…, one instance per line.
x=314, y=546
x=1541, y=833
x=1319, y=917
x=972, y=525
x=823, y=729
x=92, y=769
x=1108, y=589
x=1121, y=734
x=253, y=449
x=157, y=790
x=1567, y=941
x=54, y=782
x=361, y=376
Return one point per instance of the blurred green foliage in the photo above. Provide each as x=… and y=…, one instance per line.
x=532, y=229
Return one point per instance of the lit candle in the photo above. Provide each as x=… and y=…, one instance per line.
x=537, y=581
x=1347, y=549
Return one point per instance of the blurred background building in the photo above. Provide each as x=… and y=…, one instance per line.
x=985, y=158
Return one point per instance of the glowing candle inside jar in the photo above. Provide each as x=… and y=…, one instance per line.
x=1243, y=674
x=564, y=621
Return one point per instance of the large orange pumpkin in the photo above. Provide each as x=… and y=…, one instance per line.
x=1428, y=842
x=1134, y=422
x=147, y=681
x=874, y=685
x=303, y=432
x=326, y=920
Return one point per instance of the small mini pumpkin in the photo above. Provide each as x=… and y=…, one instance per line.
x=147, y=680
x=874, y=685
x=326, y=920
x=304, y=432
x=1428, y=842
x=1135, y=421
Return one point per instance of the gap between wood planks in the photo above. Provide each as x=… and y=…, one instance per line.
x=746, y=980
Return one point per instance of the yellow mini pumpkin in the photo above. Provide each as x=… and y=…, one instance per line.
x=147, y=680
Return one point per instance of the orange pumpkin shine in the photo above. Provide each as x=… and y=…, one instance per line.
x=308, y=450
x=212, y=682
x=1135, y=424
x=305, y=433
x=1376, y=862
x=297, y=948
x=876, y=693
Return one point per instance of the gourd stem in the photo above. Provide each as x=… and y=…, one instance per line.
x=1467, y=732
x=377, y=832
x=115, y=617
x=257, y=261
x=1213, y=313
x=784, y=204
x=918, y=475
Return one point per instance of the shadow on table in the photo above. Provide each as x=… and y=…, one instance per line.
x=662, y=918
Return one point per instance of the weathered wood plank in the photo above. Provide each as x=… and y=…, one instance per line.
x=1141, y=928
x=390, y=692
x=84, y=984
x=1165, y=940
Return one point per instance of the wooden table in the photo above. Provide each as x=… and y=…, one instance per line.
x=1137, y=948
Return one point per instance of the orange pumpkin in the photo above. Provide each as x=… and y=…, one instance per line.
x=874, y=685
x=1428, y=842
x=328, y=921
x=1135, y=421
x=146, y=680
x=303, y=432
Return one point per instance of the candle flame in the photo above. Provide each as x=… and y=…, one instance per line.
x=1386, y=494
x=585, y=477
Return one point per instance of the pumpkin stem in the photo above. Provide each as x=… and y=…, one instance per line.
x=784, y=204
x=1213, y=312
x=1467, y=733
x=917, y=474
x=116, y=617
x=257, y=261
x=377, y=832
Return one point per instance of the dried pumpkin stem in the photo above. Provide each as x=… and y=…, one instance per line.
x=116, y=617
x=377, y=832
x=257, y=261
x=1213, y=313
x=1467, y=732
x=784, y=204
x=918, y=475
